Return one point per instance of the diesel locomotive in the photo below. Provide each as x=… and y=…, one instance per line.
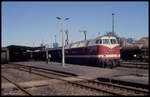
x=102, y=51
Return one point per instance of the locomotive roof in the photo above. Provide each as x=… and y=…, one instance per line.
x=100, y=37
x=85, y=43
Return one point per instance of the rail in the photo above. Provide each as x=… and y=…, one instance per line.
x=18, y=86
x=125, y=83
x=135, y=65
x=67, y=73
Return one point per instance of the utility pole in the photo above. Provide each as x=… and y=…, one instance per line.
x=55, y=38
x=85, y=32
x=113, y=23
x=63, y=54
x=67, y=40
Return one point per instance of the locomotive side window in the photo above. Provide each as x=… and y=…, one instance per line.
x=99, y=41
x=113, y=41
x=105, y=41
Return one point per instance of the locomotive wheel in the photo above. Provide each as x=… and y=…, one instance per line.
x=101, y=63
x=118, y=63
x=114, y=64
x=111, y=64
x=105, y=64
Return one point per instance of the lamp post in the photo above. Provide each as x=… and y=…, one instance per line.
x=63, y=54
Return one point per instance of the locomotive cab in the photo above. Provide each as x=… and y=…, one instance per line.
x=108, y=51
x=107, y=41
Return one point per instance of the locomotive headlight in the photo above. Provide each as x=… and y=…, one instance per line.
x=134, y=55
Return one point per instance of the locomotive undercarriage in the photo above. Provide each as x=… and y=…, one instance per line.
x=94, y=62
x=108, y=62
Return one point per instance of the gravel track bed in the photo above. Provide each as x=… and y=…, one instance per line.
x=3, y=80
x=12, y=92
x=62, y=89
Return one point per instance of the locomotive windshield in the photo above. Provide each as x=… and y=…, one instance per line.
x=113, y=41
x=105, y=41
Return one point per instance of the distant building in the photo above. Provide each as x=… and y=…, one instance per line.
x=143, y=42
x=125, y=43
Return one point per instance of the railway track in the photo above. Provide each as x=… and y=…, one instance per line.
x=135, y=62
x=113, y=89
x=20, y=88
x=139, y=65
x=30, y=68
x=142, y=87
x=92, y=85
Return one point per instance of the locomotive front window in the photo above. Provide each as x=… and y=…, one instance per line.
x=105, y=41
x=113, y=41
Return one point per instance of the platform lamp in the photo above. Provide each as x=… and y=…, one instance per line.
x=63, y=54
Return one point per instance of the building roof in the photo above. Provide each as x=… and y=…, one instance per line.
x=143, y=40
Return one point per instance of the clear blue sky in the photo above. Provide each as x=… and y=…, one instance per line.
x=30, y=23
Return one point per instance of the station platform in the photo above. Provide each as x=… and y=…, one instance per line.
x=93, y=72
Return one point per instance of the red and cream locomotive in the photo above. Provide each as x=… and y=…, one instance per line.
x=103, y=51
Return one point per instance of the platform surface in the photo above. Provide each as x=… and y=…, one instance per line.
x=94, y=72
